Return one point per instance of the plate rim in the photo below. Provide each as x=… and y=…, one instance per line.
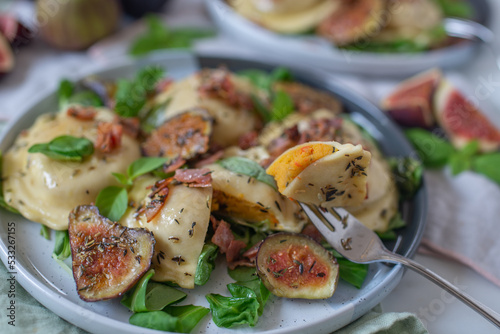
x=70, y=311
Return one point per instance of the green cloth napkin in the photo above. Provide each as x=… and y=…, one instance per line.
x=377, y=322
x=32, y=317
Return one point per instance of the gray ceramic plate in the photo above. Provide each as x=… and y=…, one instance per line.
x=318, y=52
x=53, y=287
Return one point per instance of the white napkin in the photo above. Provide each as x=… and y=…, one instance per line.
x=464, y=221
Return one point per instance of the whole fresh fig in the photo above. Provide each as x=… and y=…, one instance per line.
x=76, y=24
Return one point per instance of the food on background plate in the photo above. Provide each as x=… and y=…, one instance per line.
x=6, y=56
x=364, y=25
x=200, y=188
x=323, y=173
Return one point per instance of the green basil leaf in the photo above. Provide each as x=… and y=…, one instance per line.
x=67, y=148
x=144, y=165
x=130, y=98
x=248, y=167
x=112, y=202
x=282, y=106
x=243, y=274
x=261, y=108
x=188, y=316
x=487, y=164
x=282, y=74
x=158, y=320
x=159, y=37
x=45, y=232
x=206, y=263
x=159, y=295
x=462, y=160
x=433, y=151
x=241, y=308
x=260, y=290
x=454, y=8
x=352, y=273
x=64, y=92
x=407, y=174
x=265, y=80
x=148, y=77
x=86, y=98
x=62, y=247
x=135, y=300
x=123, y=179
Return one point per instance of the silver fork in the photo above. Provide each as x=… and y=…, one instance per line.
x=359, y=244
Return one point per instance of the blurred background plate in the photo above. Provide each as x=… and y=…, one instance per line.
x=316, y=51
x=45, y=280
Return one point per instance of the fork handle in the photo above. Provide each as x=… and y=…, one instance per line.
x=480, y=308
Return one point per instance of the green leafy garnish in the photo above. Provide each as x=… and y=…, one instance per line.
x=265, y=80
x=151, y=296
x=260, y=290
x=432, y=150
x=352, y=273
x=86, y=98
x=456, y=8
x=395, y=223
x=159, y=37
x=248, y=167
x=241, y=308
x=67, y=148
x=243, y=274
x=180, y=319
x=62, y=250
x=206, y=263
x=139, y=167
x=66, y=89
x=461, y=160
x=282, y=106
x=131, y=95
x=112, y=202
x=45, y=232
x=487, y=164
x=407, y=174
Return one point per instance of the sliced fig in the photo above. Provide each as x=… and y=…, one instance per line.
x=462, y=120
x=355, y=20
x=14, y=31
x=108, y=258
x=308, y=100
x=411, y=102
x=183, y=136
x=295, y=266
x=6, y=56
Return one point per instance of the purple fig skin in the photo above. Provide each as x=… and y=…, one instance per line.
x=411, y=103
x=77, y=24
x=6, y=56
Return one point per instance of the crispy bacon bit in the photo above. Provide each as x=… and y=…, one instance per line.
x=163, y=85
x=131, y=125
x=158, y=195
x=234, y=249
x=109, y=137
x=311, y=231
x=223, y=236
x=249, y=139
x=82, y=113
x=218, y=84
x=307, y=99
x=198, y=178
x=183, y=136
x=210, y=159
x=173, y=165
x=215, y=222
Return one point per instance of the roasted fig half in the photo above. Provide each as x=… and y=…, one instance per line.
x=108, y=258
x=295, y=266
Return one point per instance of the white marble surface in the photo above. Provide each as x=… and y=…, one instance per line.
x=39, y=68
